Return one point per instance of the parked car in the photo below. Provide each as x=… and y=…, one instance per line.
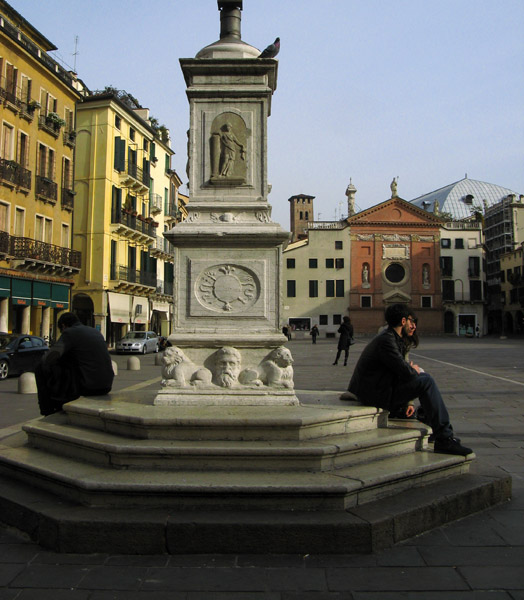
x=138, y=342
x=20, y=353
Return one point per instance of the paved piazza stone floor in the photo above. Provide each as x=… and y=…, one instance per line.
x=480, y=557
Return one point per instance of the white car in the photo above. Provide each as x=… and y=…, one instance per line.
x=138, y=342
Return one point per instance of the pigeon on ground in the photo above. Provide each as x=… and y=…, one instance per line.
x=272, y=50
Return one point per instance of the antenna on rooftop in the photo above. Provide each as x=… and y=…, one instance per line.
x=75, y=53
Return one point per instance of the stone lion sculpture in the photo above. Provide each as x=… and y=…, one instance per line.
x=179, y=371
x=275, y=371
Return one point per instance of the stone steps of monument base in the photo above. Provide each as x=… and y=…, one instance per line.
x=67, y=527
x=323, y=454
x=233, y=490
x=143, y=421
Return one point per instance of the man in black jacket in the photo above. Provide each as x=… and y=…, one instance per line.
x=384, y=379
x=78, y=364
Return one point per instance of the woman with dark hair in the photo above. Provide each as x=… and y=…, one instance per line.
x=345, y=339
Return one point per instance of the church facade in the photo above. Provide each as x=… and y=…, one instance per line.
x=394, y=258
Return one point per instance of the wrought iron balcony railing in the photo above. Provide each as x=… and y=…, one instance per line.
x=14, y=173
x=130, y=275
x=68, y=199
x=70, y=137
x=132, y=221
x=10, y=93
x=46, y=188
x=137, y=173
x=49, y=125
x=164, y=287
x=155, y=203
x=27, y=248
x=5, y=243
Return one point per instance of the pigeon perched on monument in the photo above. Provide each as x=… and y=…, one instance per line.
x=272, y=50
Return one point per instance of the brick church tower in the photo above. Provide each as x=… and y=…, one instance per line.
x=300, y=213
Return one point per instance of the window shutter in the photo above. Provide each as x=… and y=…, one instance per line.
x=120, y=154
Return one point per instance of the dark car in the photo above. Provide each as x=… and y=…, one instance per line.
x=20, y=353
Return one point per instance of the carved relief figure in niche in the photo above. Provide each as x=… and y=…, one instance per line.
x=276, y=371
x=365, y=275
x=179, y=371
x=425, y=275
x=228, y=150
x=227, y=366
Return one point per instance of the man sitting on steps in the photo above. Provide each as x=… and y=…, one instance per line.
x=79, y=364
x=382, y=378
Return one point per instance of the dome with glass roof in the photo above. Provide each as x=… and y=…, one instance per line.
x=459, y=199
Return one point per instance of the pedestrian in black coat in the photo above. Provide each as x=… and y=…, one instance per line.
x=314, y=334
x=345, y=339
x=78, y=364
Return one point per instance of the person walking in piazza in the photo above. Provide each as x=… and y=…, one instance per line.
x=314, y=333
x=345, y=339
x=79, y=364
x=384, y=379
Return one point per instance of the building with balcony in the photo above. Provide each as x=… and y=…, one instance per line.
x=500, y=210
x=37, y=141
x=512, y=290
x=463, y=278
x=124, y=190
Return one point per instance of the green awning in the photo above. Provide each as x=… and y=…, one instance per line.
x=21, y=292
x=5, y=287
x=41, y=293
x=60, y=296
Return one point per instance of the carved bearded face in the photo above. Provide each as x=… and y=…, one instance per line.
x=227, y=367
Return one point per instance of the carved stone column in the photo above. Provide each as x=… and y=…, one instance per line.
x=228, y=345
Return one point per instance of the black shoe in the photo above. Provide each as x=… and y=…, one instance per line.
x=451, y=445
x=345, y=364
x=432, y=438
x=335, y=363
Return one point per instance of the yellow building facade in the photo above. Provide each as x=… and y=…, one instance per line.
x=125, y=199
x=37, y=141
x=512, y=284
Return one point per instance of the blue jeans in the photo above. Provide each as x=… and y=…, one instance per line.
x=424, y=388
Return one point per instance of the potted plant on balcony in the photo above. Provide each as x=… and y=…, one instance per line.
x=53, y=120
x=32, y=105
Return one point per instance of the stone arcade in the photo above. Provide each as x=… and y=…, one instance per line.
x=223, y=459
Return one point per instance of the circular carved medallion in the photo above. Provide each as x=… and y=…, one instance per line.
x=227, y=288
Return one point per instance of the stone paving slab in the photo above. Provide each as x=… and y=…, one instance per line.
x=484, y=578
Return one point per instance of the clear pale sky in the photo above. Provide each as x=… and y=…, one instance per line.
x=426, y=90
